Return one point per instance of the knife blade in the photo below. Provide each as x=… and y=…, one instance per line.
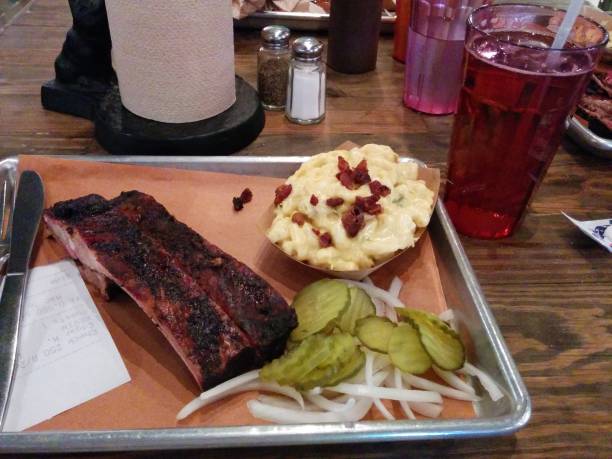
x=29, y=204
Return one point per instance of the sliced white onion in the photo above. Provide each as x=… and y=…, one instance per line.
x=284, y=402
x=368, y=376
x=380, y=306
x=382, y=361
x=330, y=405
x=316, y=391
x=212, y=397
x=231, y=383
x=396, y=287
x=380, y=364
x=289, y=416
x=453, y=380
x=449, y=317
x=391, y=314
x=426, y=384
x=275, y=388
x=399, y=385
x=218, y=392
x=431, y=410
x=390, y=380
x=362, y=390
x=487, y=382
x=341, y=398
x=376, y=292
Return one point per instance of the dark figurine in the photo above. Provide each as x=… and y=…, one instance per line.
x=85, y=58
x=83, y=70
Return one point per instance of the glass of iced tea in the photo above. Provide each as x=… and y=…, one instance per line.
x=516, y=96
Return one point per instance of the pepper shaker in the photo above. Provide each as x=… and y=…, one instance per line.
x=273, y=67
x=306, y=86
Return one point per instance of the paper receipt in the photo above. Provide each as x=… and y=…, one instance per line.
x=66, y=355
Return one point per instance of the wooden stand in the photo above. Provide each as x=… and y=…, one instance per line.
x=120, y=131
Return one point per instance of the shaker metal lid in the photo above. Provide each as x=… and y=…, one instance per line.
x=275, y=35
x=307, y=48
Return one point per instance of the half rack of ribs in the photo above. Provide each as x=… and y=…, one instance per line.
x=218, y=315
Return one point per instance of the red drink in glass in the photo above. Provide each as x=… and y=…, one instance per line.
x=517, y=94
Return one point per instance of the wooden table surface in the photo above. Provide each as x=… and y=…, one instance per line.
x=549, y=286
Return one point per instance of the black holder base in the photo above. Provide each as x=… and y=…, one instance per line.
x=121, y=132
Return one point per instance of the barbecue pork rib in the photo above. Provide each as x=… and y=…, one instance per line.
x=218, y=315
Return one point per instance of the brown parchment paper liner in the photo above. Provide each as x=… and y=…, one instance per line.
x=430, y=176
x=161, y=385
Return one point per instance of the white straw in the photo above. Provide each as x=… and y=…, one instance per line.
x=566, y=25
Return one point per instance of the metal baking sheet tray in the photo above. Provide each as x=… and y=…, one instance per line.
x=305, y=22
x=461, y=289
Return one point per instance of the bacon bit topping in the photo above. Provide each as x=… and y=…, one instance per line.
x=346, y=179
x=281, y=193
x=378, y=189
x=246, y=195
x=314, y=200
x=241, y=200
x=369, y=205
x=352, y=178
x=353, y=221
x=334, y=202
x=343, y=165
x=316, y=231
x=238, y=204
x=325, y=240
x=360, y=174
x=298, y=218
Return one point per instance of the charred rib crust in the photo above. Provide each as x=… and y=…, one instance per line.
x=224, y=317
x=251, y=302
x=205, y=328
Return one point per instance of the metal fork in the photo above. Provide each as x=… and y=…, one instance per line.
x=6, y=218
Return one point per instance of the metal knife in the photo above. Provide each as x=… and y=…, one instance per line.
x=28, y=210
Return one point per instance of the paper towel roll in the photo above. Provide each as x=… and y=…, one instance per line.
x=174, y=59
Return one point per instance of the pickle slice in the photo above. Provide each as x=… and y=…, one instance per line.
x=441, y=342
x=406, y=351
x=360, y=306
x=349, y=369
x=317, y=305
x=374, y=332
x=342, y=347
x=295, y=364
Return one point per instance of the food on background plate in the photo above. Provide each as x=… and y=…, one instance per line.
x=331, y=374
x=218, y=315
x=348, y=210
x=243, y=8
x=595, y=107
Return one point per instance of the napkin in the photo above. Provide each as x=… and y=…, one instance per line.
x=174, y=59
x=66, y=355
x=598, y=230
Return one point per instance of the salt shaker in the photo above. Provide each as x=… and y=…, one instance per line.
x=306, y=87
x=273, y=67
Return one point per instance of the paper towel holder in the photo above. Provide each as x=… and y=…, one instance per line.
x=86, y=86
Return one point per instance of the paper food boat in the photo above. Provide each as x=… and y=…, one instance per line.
x=430, y=176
